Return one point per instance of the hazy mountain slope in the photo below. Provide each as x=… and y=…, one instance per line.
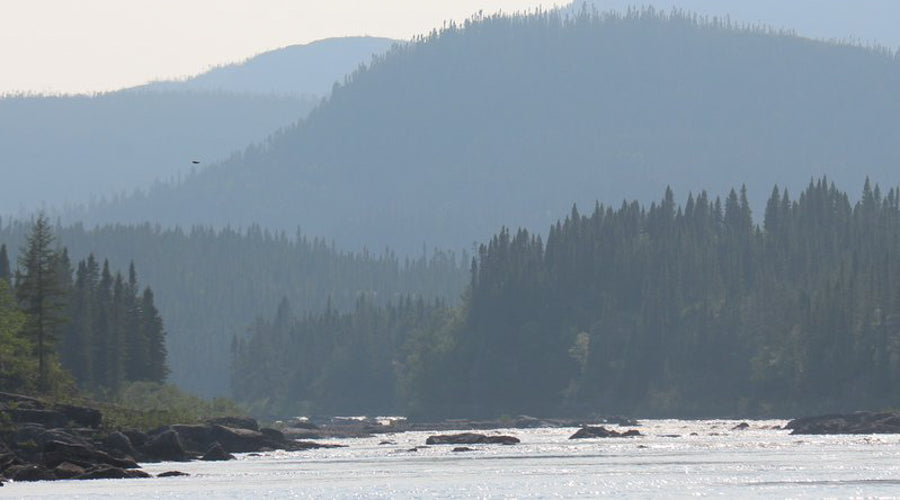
x=309, y=69
x=864, y=21
x=510, y=120
x=66, y=149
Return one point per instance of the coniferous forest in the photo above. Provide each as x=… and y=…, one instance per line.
x=686, y=309
x=210, y=284
x=96, y=330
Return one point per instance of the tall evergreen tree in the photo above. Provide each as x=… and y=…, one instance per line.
x=5, y=271
x=40, y=291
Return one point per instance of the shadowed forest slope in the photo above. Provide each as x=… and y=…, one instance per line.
x=509, y=120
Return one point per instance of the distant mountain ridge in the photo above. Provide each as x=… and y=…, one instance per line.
x=509, y=120
x=308, y=69
x=868, y=22
x=68, y=150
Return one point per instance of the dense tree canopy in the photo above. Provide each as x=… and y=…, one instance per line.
x=670, y=310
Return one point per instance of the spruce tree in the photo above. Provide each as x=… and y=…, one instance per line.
x=39, y=290
x=155, y=337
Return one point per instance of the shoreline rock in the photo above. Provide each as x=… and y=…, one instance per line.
x=42, y=441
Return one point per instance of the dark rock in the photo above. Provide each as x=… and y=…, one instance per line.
x=459, y=449
x=235, y=423
x=471, y=438
x=47, y=418
x=29, y=473
x=80, y=415
x=386, y=442
x=107, y=472
x=119, y=442
x=194, y=438
x=7, y=458
x=670, y=435
x=67, y=470
x=741, y=426
x=136, y=437
x=216, y=453
x=273, y=435
x=588, y=432
x=172, y=473
x=244, y=440
x=165, y=446
x=852, y=423
x=57, y=452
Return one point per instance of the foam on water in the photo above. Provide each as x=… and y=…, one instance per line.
x=707, y=458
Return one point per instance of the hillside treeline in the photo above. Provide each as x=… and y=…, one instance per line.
x=511, y=119
x=211, y=284
x=671, y=310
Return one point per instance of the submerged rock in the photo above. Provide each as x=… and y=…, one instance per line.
x=588, y=432
x=172, y=473
x=216, y=453
x=471, y=438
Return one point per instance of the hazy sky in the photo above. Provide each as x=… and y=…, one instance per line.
x=94, y=45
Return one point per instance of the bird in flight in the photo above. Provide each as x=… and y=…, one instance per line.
x=195, y=162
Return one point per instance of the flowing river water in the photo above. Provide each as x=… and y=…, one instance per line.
x=673, y=459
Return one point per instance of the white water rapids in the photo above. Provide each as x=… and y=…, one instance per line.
x=674, y=458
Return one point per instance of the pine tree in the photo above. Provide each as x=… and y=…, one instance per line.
x=39, y=289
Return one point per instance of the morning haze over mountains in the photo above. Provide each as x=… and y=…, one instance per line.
x=310, y=155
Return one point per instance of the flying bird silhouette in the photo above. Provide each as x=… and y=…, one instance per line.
x=195, y=162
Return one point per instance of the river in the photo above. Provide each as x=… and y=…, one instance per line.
x=674, y=459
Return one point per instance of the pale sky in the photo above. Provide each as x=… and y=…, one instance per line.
x=76, y=46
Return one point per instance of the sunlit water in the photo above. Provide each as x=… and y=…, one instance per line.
x=716, y=461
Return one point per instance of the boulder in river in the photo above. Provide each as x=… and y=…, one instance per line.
x=471, y=438
x=588, y=432
x=216, y=453
x=165, y=446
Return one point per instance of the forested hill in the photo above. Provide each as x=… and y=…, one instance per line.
x=211, y=285
x=697, y=309
x=508, y=120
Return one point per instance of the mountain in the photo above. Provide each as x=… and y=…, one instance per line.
x=309, y=69
x=509, y=120
x=61, y=150
x=868, y=22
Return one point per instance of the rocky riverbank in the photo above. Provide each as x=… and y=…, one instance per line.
x=47, y=441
